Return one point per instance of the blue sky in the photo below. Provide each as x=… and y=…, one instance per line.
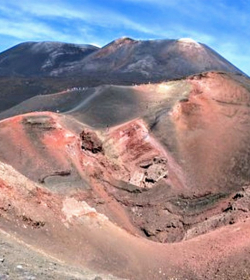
x=221, y=24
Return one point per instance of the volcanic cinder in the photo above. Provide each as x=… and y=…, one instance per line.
x=147, y=178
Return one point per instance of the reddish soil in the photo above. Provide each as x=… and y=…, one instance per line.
x=137, y=200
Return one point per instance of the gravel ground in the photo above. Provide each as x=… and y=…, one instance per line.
x=19, y=262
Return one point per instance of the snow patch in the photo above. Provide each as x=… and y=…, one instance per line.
x=188, y=40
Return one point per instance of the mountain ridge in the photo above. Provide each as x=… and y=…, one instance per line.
x=152, y=59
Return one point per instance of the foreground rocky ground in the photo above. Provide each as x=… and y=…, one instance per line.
x=20, y=262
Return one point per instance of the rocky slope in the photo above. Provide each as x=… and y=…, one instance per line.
x=139, y=182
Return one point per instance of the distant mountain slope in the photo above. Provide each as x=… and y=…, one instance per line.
x=40, y=58
x=123, y=59
x=30, y=69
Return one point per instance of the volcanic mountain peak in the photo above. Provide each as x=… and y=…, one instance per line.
x=46, y=47
x=120, y=42
x=191, y=43
x=127, y=61
x=123, y=40
x=39, y=58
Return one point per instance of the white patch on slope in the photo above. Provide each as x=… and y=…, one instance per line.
x=188, y=41
x=74, y=208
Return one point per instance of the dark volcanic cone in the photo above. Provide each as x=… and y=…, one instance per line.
x=156, y=60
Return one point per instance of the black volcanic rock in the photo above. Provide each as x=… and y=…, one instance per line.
x=122, y=61
x=40, y=58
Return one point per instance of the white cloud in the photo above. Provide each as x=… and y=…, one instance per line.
x=28, y=30
x=155, y=2
x=61, y=21
x=86, y=14
x=37, y=15
x=217, y=11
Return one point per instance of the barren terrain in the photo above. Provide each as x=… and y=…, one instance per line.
x=147, y=181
